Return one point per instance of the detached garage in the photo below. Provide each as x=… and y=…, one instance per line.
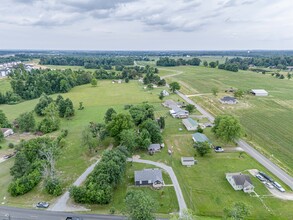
x=259, y=92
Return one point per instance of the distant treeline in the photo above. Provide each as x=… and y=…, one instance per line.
x=12, y=59
x=87, y=62
x=166, y=61
x=279, y=62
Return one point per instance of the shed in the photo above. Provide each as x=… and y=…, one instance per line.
x=7, y=132
x=188, y=161
x=259, y=92
x=154, y=148
x=228, y=100
x=190, y=124
x=199, y=138
x=151, y=177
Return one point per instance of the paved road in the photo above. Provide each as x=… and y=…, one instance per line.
x=34, y=214
x=61, y=203
x=273, y=168
x=169, y=170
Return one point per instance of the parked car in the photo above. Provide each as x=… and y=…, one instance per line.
x=219, y=149
x=8, y=156
x=260, y=177
x=266, y=176
x=269, y=185
x=74, y=218
x=42, y=205
x=278, y=186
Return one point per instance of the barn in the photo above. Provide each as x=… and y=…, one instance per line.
x=259, y=92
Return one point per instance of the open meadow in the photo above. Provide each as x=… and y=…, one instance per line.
x=267, y=120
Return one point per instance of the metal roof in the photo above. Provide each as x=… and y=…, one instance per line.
x=148, y=174
x=199, y=137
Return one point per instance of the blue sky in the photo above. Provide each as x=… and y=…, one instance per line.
x=146, y=24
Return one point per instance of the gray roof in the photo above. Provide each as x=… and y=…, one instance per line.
x=154, y=147
x=228, y=99
x=187, y=159
x=241, y=179
x=189, y=122
x=199, y=137
x=148, y=174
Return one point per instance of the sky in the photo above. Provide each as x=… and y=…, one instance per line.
x=146, y=24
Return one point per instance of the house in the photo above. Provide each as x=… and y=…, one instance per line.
x=7, y=132
x=188, y=161
x=169, y=103
x=149, y=177
x=165, y=93
x=240, y=181
x=259, y=92
x=154, y=148
x=290, y=68
x=228, y=100
x=177, y=112
x=199, y=138
x=190, y=124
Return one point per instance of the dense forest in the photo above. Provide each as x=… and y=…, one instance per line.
x=166, y=61
x=87, y=62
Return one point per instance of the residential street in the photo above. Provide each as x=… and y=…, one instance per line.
x=169, y=170
x=287, y=179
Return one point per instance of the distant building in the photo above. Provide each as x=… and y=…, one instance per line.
x=188, y=161
x=240, y=181
x=290, y=68
x=228, y=100
x=259, y=92
x=149, y=177
x=190, y=124
x=7, y=132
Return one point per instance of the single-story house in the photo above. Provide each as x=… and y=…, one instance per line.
x=177, y=112
x=188, y=161
x=165, y=93
x=240, y=181
x=169, y=103
x=199, y=138
x=149, y=177
x=190, y=124
x=7, y=131
x=228, y=100
x=154, y=148
x=259, y=92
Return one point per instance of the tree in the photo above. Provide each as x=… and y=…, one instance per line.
x=26, y=122
x=94, y=82
x=174, y=86
x=43, y=103
x=161, y=95
x=144, y=139
x=239, y=211
x=3, y=120
x=213, y=64
x=109, y=115
x=154, y=130
x=203, y=148
x=140, y=113
x=227, y=128
x=1, y=136
x=205, y=63
x=51, y=122
x=139, y=205
x=161, y=122
x=215, y=91
x=88, y=140
x=239, y=93
x=190, y=108
x=65, y=108
x=81, y=107
x=119, y=123
x=129, y=139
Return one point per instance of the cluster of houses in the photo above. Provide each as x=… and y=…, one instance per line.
x=176, y=110
x=232, y=100
x=5, y=68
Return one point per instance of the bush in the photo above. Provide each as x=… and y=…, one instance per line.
x=112, y=210
x=11, y=145
x=53, y=186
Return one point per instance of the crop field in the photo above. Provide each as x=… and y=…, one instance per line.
x=267, y=120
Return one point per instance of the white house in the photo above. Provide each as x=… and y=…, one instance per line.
x=259, y=92
x=240, y=181
x=188, y=161
x=228, y=100
x=7, y=132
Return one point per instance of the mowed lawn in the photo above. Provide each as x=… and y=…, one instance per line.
x=75, y=157
x=267, y=120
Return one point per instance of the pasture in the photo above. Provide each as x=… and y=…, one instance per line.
x=4, y=85
x=267, y=120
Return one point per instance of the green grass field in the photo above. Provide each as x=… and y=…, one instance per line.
x=4, y=85
x=267, y=120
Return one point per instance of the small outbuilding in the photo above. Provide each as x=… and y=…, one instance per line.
x=228, y=100
x=188, y=161
x=154, y=148
x=190, y=124
x=259, y=92
x=7, y=132
x=165, y=93
x=149, y=177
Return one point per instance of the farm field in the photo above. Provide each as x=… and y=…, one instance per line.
x=267, y=120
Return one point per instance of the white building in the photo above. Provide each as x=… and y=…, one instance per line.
x=259, y=92
x=188, y=161
x=7, y=132
x=240, y=181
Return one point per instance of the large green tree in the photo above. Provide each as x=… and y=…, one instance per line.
x=140, y=113
x=88, y=140
x=42, y=104
x=227, y=128
x=109, y=115
x=119, y=123
x=129, y=139
x=26, y=122
x=203, y=148
x=139, y=205
x=153, y=129
x=174, y=86
x=3, y=120
x=51, y=122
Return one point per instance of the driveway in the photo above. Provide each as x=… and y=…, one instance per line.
x=169, y=170
x=61, y=203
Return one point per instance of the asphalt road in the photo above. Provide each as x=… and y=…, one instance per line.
x=33, y=214
x=169, y=170
x=273, y=168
